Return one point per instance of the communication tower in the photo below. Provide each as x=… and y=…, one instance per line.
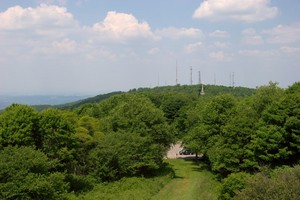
x=201, y=85
x=191, y=76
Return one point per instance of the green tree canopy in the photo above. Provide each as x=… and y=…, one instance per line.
x=25, y=173
x=58, y=135
x=18, y=126
x=136, y=114
x=119, y=155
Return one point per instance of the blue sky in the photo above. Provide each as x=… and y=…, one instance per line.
x=88, y=47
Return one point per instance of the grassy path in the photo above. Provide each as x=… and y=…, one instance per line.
x=190, y=183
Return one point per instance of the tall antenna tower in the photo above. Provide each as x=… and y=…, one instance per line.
x=176, y=73
x=191, y=76
x=233, y=80
x=201, y=85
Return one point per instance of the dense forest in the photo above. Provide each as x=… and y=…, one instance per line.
x=249, y=138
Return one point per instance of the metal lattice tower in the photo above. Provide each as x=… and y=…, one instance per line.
x=176, y=73
x=191, y=76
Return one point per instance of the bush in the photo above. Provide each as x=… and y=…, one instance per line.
x=80, y=184
x=122, y=155
x=283, y=183
x=234, y=183
x=131, y=188
x=26, y=174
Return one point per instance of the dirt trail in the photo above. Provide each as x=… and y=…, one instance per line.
x=190, y=182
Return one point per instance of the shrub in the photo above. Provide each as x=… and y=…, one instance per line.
x=234, y=183
x=25, y=173
x=283, y=183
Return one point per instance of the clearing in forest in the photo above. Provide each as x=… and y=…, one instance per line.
x=191, y=182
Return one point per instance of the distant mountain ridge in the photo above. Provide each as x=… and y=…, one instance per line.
x=210, y=91
x=70, y=102
x=6, y=100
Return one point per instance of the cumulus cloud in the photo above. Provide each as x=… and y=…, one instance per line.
x=220, y=45
x=177, y=33
x=284, y=34
x=65, y=46
x=219, y=34
x=18, y=18
x=191, y=48
x=122, y=26
x=290, y=50
x=257, y=53
x=153, y=51
x=219, y=56
x=45, y=29
x=238, y=10
x=250, y=37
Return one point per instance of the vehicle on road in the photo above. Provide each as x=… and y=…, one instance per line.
x=185, y=151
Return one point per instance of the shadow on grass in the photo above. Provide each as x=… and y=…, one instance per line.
x=199, y=164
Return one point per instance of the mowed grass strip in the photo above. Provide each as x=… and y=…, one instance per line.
x=191, y=182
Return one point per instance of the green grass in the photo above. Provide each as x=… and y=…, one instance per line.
x=134, y=188
x=191, y=182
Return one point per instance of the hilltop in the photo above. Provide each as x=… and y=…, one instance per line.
x=210, y=91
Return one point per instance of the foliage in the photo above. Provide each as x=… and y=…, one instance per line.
x=283, y=183
x=136, y=114
x=192, y=181
x=172, y=103
x=232, y=151
x=18, y=126
x=58, y=136
x=242, y=134
x=122, y=155
x=206, y=138
x=26, y=174
x=87, y=134
x=233, y=184
x=90, y=100
x=130, y=188
x=113, y=136
x=278, y=137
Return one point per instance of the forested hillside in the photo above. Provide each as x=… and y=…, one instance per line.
x=243, y=135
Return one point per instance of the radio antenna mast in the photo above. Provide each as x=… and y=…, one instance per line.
x=233, y=80
x=191, y=76
x=176, y=73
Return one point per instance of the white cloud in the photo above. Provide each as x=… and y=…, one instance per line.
x=290, y=50
x=284, y=34
x=219, y=34
x=18, y=18
x=219, y=56
x=221, y=45
x=65, y=46
x=99, y=53
x=238, y=10
x=250, y=37
x=177, y=33
x=153, y=51
x=52, y=49
x=257, y=53
x=249, y=31
x=191, y=48
x=122, y=26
